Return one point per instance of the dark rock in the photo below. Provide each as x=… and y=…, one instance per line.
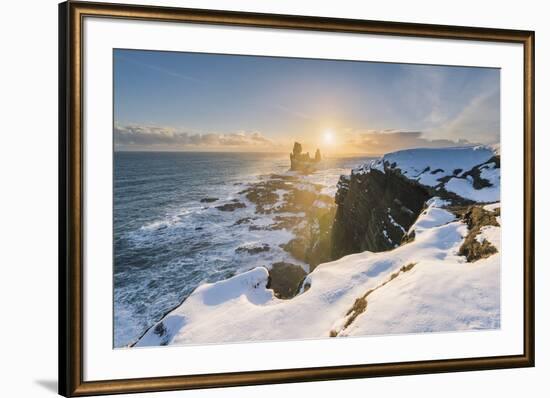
x=257, y=228
x=291, y=194
x=371, y=203
x=285, y=279
x=294, y=198
x=253, y=249
x=208, y=200
x=313, y=241
x=231, y=206
x=161, y=331
x=475, y=173
x=376, y=208
x=263, y=194
x=246, y=220
x=297, y=247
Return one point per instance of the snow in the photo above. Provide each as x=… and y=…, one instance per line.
x=433, y=216
x=420, y=163
x=492, y=207
x=442, y=292
x=434, y=296
x=464, y=188
x=371, y=165
x=491, y=173
x=437, y=296
x=428, y=166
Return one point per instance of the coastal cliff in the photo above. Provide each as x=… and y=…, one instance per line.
x=379, y=201
x=374, y=211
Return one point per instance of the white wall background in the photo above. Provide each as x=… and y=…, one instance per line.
x=28, y=199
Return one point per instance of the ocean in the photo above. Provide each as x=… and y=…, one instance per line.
x=167, y=242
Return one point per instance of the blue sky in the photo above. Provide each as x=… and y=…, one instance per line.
x=190, y=101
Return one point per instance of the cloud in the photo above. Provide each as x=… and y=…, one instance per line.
x=384, y=141
x=136, y=136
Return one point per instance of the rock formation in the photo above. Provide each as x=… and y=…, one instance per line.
x=317, y=155
x=379, y=201
x=302, y=161
x=374, y=211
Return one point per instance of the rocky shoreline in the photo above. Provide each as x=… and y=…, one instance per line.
x=299, y=207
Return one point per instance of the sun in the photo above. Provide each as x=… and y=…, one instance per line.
x=328, y=136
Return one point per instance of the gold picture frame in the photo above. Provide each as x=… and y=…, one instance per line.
x=71, y=238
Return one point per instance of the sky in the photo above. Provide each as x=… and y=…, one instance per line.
x=209, y=102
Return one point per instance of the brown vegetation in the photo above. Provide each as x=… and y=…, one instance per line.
x=476, y=217
x=360, y=304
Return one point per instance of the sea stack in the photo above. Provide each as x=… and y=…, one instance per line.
x=317, y=155
x=302, y=161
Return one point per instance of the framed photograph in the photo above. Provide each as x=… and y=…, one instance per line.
x=251, y=198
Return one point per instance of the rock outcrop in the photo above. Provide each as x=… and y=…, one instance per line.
x=375, y=210
x=302, y=161
x=379, y=201
x=285, y=279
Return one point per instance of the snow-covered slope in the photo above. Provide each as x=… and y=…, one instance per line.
x=440, y=291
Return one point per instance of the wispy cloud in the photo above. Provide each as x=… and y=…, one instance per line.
x=479, y=120
x=136, y=136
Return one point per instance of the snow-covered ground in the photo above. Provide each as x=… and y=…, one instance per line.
x=421, y=286
x=429, y=165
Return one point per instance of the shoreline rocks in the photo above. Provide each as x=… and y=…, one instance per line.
x=231, y=206
x=208, y=200
x=264, y=247
x=285, y=279
x=310, y=219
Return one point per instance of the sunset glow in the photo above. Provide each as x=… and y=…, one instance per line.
x=328, y=136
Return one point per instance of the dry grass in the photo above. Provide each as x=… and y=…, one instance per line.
x=360, y=304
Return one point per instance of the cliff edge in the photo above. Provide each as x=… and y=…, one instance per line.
x=380, y=200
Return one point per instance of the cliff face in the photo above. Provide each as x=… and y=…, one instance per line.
x=379, y=201
x=375, y=210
